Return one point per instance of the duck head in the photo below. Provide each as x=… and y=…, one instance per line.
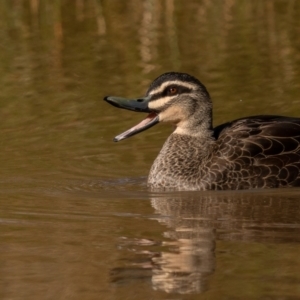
x=176, y=98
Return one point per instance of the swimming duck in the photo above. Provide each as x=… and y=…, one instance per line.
x=253, y=152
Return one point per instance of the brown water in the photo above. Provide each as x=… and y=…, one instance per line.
x=76, y=218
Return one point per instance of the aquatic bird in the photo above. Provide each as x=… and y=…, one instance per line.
x=253, y=152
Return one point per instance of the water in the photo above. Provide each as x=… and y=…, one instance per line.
x=76, y=218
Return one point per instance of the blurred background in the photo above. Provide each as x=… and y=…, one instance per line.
x=70, y=198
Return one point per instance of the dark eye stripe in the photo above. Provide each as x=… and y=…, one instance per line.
x=181, y=90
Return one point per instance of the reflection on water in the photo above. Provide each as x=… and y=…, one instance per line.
x=196, y=223
x=187, y=268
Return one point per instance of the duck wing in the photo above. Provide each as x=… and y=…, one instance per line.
x=261, y=151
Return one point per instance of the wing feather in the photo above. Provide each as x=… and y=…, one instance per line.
x=265, y=150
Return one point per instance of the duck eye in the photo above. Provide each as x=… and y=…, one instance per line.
x=172, y=91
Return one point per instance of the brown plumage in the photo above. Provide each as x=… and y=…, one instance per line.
x=253, y=152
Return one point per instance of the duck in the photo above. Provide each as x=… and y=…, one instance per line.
x=253, y=152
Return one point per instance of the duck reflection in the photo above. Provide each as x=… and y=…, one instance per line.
x=186, y=269
x=183, y=261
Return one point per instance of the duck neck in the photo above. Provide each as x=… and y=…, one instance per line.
x=195, y=128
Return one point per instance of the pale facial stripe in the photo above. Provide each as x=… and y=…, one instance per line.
x=162, y=87
x=159, y=103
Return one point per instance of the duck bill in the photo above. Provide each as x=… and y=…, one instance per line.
x=139, y=105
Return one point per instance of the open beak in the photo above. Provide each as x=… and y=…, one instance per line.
x=139, y=105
